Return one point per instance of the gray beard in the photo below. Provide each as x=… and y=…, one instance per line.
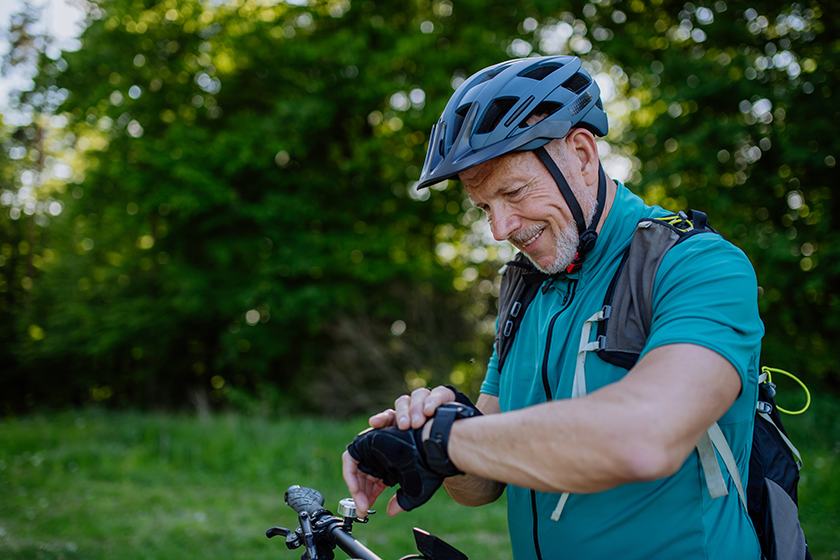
x=566, y=245
x=565, y=250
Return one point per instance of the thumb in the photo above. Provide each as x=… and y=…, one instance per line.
x=394, y=508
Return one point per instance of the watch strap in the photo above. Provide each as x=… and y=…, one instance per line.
x=437, y=444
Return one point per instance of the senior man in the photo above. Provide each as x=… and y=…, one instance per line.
x=607, y=470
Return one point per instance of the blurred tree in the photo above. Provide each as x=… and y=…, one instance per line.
x=731, y=111
x=727, y=107
x=246, y=219
x=32, y=172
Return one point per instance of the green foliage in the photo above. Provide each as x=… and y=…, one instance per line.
x=30, y=178
x=245, y=218
x=818, y=430
x=241, y=225
x=735, y=116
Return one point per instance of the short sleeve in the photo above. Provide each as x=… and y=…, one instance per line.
x=491, y=380
x=706, y=294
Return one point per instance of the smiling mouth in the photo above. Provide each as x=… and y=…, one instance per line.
x=531, y=240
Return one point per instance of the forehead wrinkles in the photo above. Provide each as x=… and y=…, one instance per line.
x=476, y=175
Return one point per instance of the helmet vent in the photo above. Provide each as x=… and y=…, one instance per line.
x=495, y=113
x=580, y=103
x=599, y=104
x=460, y=115
x=489, y=76
x=541, y=112
x=540, y=72
x=577, y=83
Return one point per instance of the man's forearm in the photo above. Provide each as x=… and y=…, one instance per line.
x=640, y=428
x=470, y=490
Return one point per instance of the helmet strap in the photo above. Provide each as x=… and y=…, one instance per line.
x=587, y=234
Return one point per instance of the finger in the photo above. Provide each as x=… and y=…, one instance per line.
x=439, y=395
x=417, y=406
x=383, y=419
x=401, y=406
x=357, y=482
x=394, y=508
x=373, y=489
x=364, y=488
x=350, y=472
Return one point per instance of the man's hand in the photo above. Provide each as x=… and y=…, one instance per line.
x=386, y=457
x=364, y=488
x=412, y=411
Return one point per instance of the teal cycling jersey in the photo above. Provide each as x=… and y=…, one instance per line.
x=705, y=293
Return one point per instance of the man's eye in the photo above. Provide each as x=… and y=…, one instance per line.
x=514, y=193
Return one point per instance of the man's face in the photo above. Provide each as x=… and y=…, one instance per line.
x=525, y=206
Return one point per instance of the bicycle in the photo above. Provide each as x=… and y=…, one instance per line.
x=320, y=531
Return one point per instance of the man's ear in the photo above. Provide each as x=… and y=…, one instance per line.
x=582, y=146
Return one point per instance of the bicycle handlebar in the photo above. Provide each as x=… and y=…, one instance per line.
x=311, y=502
x=304, y=499
x=320, y=531
x=351, y=546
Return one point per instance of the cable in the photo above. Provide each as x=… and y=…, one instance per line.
x=768, y=371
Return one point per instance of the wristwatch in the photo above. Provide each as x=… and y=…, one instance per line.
x=438, y=441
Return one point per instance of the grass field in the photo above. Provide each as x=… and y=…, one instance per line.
x=97, y=484
x=93, y=484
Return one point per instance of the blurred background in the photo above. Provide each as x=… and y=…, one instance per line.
x=212, y=251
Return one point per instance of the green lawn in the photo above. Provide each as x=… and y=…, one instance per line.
x=97, y=484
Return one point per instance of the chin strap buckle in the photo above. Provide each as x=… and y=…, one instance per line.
x=575, y=265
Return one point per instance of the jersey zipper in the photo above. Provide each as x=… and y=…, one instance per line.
x=536, y=527
x=567, y=301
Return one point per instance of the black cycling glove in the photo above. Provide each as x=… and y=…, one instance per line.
x=397, y=457
x=400, y=456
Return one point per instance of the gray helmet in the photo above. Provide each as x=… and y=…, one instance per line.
x=487, y=115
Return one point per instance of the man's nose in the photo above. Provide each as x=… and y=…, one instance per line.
x=504, y=223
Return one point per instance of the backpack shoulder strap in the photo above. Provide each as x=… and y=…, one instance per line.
x=520, y=282
x=713, y=440
x=623, y=334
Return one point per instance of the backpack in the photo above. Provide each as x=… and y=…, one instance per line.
x=623, y=325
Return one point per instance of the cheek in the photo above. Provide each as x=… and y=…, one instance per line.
x=551, y=209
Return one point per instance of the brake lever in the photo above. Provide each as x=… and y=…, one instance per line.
x=277, y=532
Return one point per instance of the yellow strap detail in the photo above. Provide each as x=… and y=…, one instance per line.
x=671, y=220
x=769, y=371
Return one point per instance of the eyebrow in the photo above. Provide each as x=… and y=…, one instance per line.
x=510, y=186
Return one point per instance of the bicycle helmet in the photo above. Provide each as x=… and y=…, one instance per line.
x=488, y=116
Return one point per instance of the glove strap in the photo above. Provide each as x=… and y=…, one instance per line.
x=438, y=442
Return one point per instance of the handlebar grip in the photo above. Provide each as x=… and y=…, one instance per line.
x=304, y=499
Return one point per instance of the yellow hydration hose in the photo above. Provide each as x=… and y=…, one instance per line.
x=769, y=371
